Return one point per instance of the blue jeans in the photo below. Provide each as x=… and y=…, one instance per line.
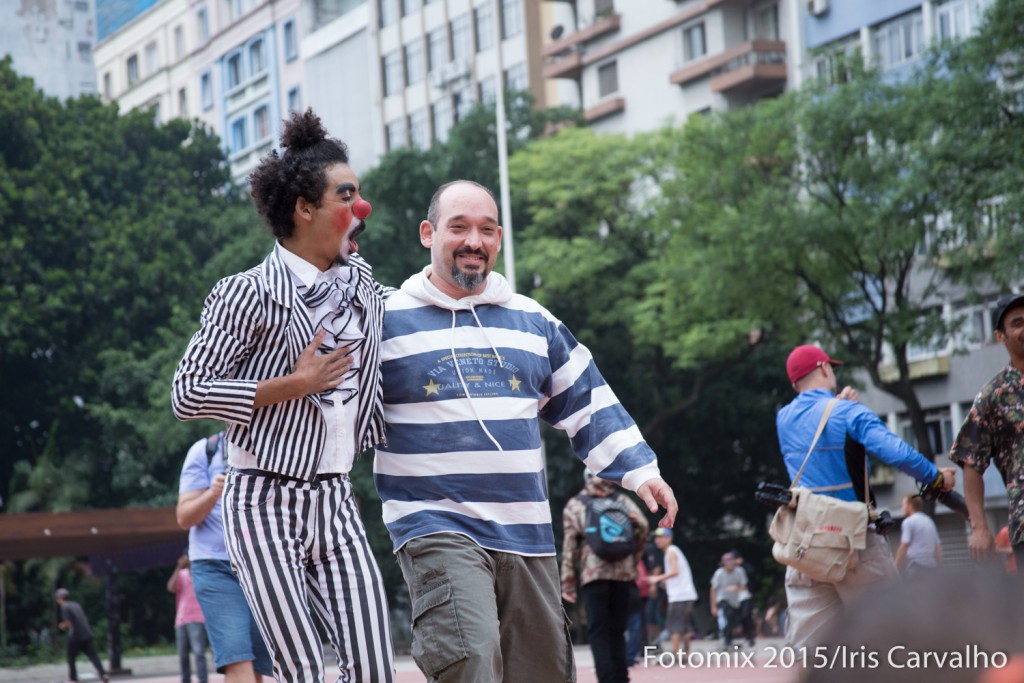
x=230, y=625
x=191, y=637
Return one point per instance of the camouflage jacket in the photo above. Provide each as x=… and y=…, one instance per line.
x=994, y=431
x=576, y=554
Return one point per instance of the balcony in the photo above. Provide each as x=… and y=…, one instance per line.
x=752, y=64
x=612, y=105
x=563, y=55
x=568, y=66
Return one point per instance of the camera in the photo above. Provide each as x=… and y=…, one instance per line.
x=776, y=495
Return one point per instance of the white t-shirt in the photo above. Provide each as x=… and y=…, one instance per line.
x=919, y=533
x=680, y=587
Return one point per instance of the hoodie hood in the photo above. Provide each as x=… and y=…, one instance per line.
x=420, y=287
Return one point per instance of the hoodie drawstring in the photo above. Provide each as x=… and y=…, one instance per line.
x=462, y=380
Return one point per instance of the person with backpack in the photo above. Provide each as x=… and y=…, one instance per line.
x=239, y=651
x=604, y=532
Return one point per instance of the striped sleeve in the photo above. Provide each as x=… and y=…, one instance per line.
x=581, y=403
x=203, y=384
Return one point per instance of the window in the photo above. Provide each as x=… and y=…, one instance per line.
x=484, y=26
x=462, y=101
x=239, y=135
x=462, y=38
x=206, y=90
x=437, y=48
x=154, y=111
x=959, y=18
x=202, y=25
x=899, y=41
x=392, y=70
x=766, y=22
x=81, y=6
x=152, y=59
x=294, y=99
x=133, y=69
x=388, y=10
x=234, y=70
x=414, y=66
x=107, y=85
x=939, y=425
x=488, y=89
x=179, y=41
x=693, y=42
x=608, y=79
x=602, y=7
x=257, y=62
x=515, y=78
x=396, y=135
x=832, y=64
x=261, y=124
x=928, y=340
x=85, y=51
x=291, y=44
x=183, y=103
x=441, y=113
x=419, y=135
x=410, y=7
x=511, y=18
x=232, y=9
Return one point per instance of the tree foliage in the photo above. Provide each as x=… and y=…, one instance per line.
x=836, y=213
x=112, y=231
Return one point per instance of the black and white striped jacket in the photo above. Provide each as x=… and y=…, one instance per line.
x=254, y=325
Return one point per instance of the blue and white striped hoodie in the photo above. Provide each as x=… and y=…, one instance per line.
x=463, y=450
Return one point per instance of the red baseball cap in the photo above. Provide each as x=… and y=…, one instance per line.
x=805, y=359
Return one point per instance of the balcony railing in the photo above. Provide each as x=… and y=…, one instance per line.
x=752, y=63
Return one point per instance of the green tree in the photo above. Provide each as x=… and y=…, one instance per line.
x=834, y=213
x=111, y=224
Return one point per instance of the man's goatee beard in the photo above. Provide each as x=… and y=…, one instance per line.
x=467, y=281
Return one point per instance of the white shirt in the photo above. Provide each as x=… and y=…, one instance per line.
x=340, y=418
x=680, y=587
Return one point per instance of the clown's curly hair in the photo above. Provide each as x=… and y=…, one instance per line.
x=301, y=171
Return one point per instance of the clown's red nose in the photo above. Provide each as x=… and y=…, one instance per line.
x=362, y=209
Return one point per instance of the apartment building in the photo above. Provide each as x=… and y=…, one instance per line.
x=638, y=64
x=434, y=59
x=51, y=42
x=231, y=64
x=894, y=35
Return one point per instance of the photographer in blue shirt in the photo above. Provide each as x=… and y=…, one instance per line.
x=838, y=467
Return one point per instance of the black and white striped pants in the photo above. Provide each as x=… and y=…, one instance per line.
x=300, y=547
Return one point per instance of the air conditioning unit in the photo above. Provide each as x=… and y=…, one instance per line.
x=817, y=8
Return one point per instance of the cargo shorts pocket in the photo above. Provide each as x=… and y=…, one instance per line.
x=437, y=639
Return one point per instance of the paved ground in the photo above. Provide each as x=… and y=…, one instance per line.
x=708, y=666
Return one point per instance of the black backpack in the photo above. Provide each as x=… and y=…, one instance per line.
x=608, y=530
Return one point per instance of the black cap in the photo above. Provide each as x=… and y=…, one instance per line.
x=1003, y=305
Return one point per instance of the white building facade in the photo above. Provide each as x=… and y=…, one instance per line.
x=231, y=64
x=51, y=41
x=638, y=65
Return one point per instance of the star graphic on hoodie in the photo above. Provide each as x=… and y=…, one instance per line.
x=432, y=388
x=515, y=383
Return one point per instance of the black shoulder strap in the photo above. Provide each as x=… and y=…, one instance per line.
x=212, y=443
